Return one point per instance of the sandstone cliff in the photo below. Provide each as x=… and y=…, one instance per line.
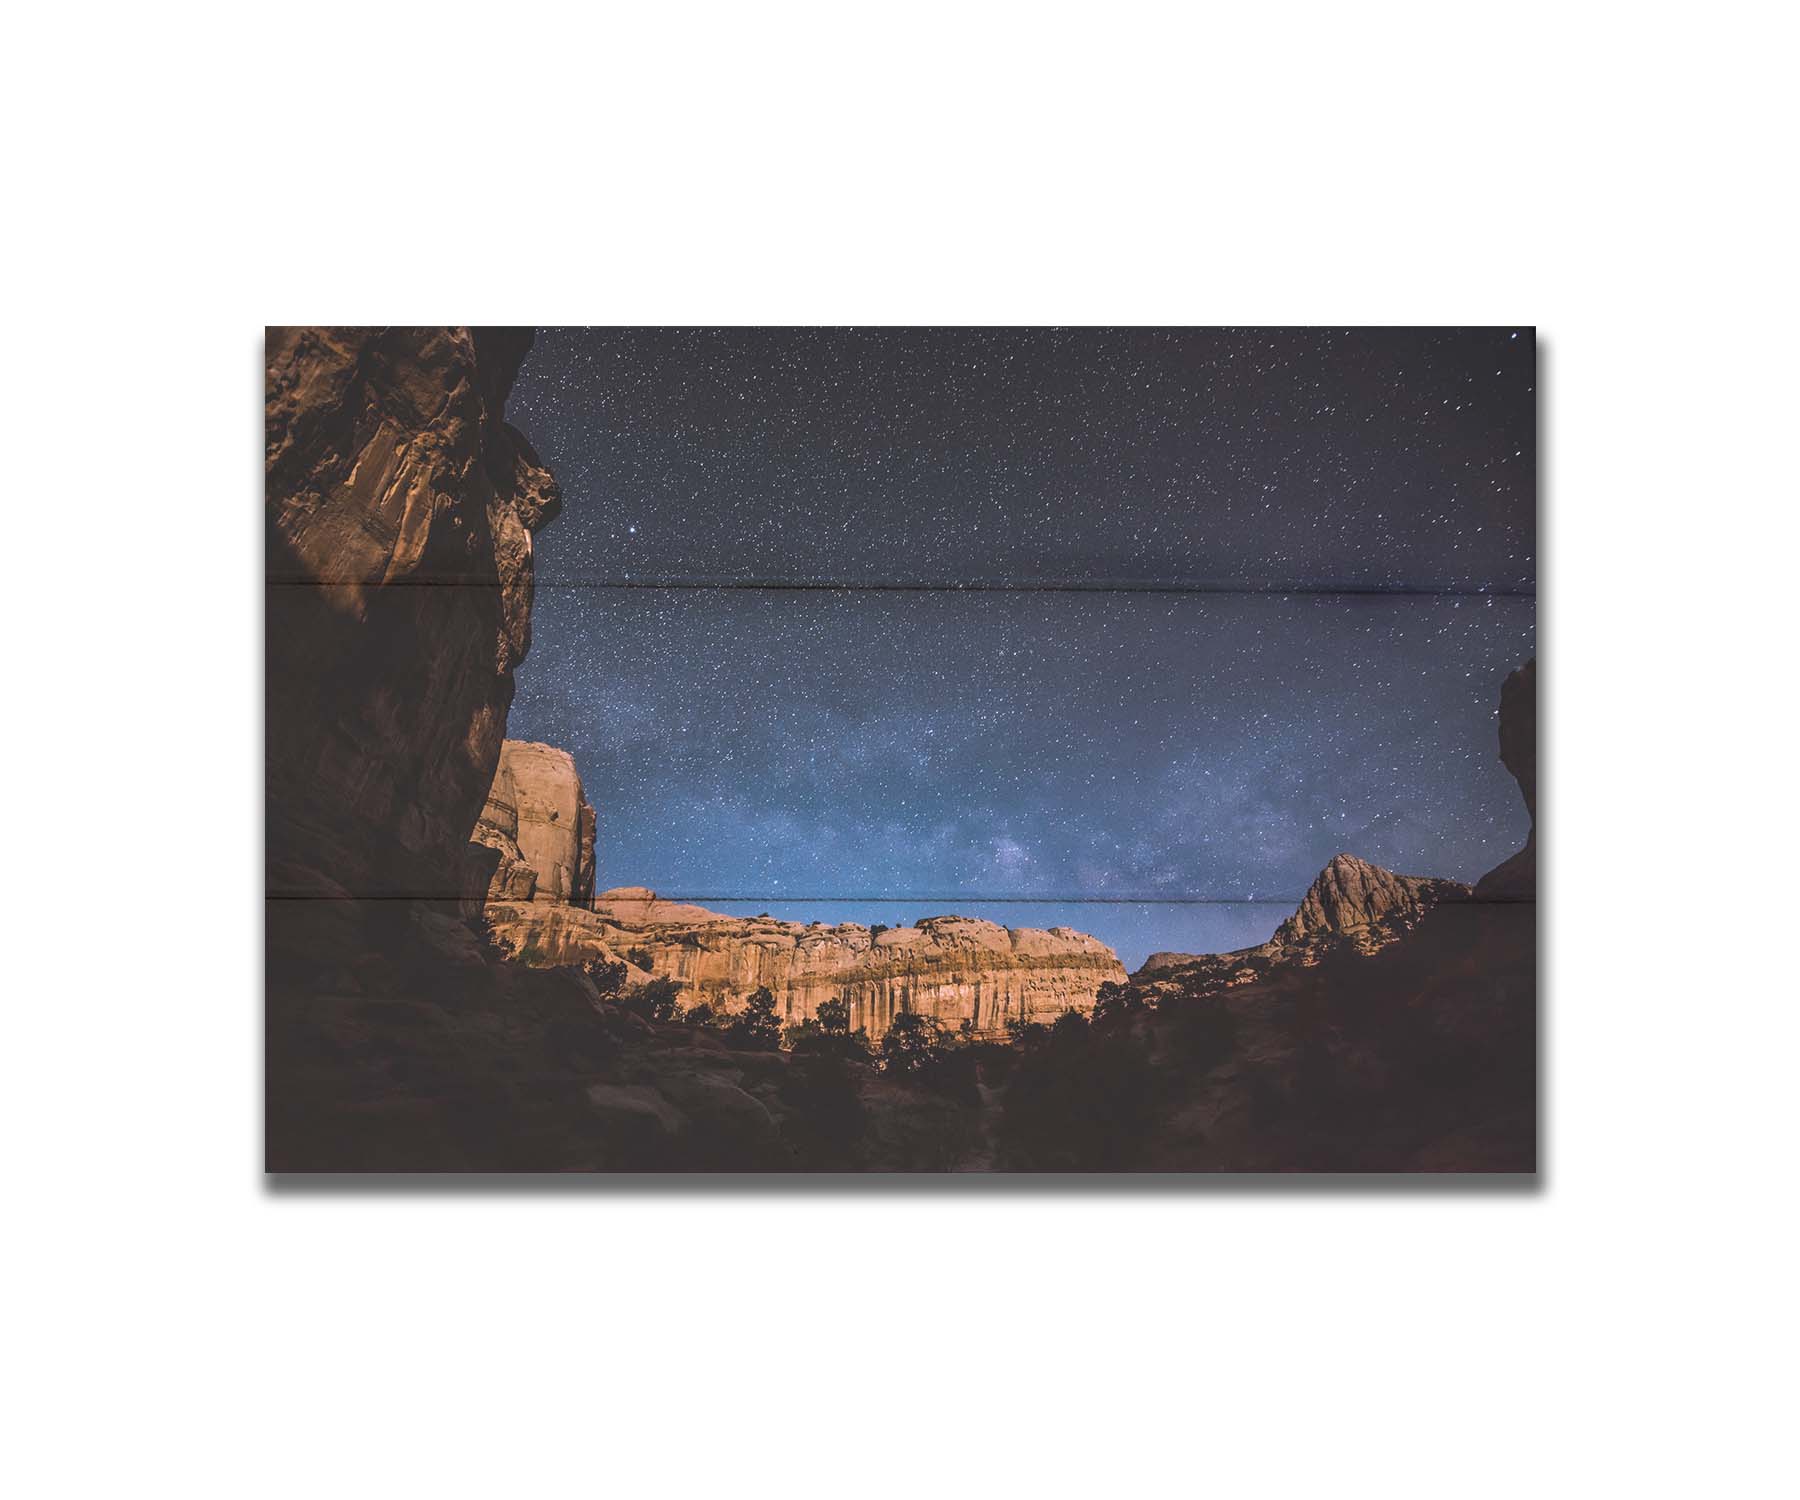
x=1351, y=896
x=954, y=969
x=1351, y=906
x=399, y=512
x=534, y=840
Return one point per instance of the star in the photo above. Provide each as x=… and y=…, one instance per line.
x=1159, y=608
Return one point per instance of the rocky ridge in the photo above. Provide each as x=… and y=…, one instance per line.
x=1402, y=1036
x=1353, y=898
x=1351, y=906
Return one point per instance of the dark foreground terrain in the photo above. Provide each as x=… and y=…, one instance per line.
x=427, y=1052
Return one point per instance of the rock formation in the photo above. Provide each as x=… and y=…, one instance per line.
x=1351, y=905
x=1355, y=904
x=1516, y=879
x=1351, y=895
x=1389, y=1025
x=534, y=840
x=399, y=512
x=954, y=969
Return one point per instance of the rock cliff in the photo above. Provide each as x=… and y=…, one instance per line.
x=399, y=510
x=1350, y=895
x=952, y=968
x=1351, y=906
x=399, y=513
x=534, y=840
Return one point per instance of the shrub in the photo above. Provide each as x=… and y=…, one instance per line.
x=910, y=1043
x=811, y=1038
x=656, y=1001
x=608, y=978
x=1115, y=1004
x=755, y=1028
x=917, y=1049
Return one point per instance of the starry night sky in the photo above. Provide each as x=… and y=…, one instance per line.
x=1166, y=618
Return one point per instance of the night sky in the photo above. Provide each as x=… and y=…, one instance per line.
x=1168, y=617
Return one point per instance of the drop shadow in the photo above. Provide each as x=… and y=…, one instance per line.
x=862, y=1184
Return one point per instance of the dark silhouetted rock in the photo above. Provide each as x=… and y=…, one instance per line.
x=1516, y=879
x=399, y=508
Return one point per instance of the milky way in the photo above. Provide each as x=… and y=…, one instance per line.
x=1164, y=619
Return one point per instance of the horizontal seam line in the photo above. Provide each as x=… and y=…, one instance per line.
x=1470, y=592
x=671, y=898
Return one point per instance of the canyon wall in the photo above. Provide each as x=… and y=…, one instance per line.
x=953, y=969
x=399, y=511
x=534, y=840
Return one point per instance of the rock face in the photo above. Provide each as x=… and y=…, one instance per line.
x=399, y=511
x=951, y=968
x=534, y=840
x=1352, y=906
x=1516, y=879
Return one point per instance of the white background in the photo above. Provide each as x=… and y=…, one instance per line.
x=180, y=175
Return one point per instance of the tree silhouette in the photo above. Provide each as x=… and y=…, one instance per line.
x=755, y=1028
x=657, y=1001
x=827, y=1033
x=1115, y=1004
x=609, y=978
x=917, y=1049
x=910, y=1043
